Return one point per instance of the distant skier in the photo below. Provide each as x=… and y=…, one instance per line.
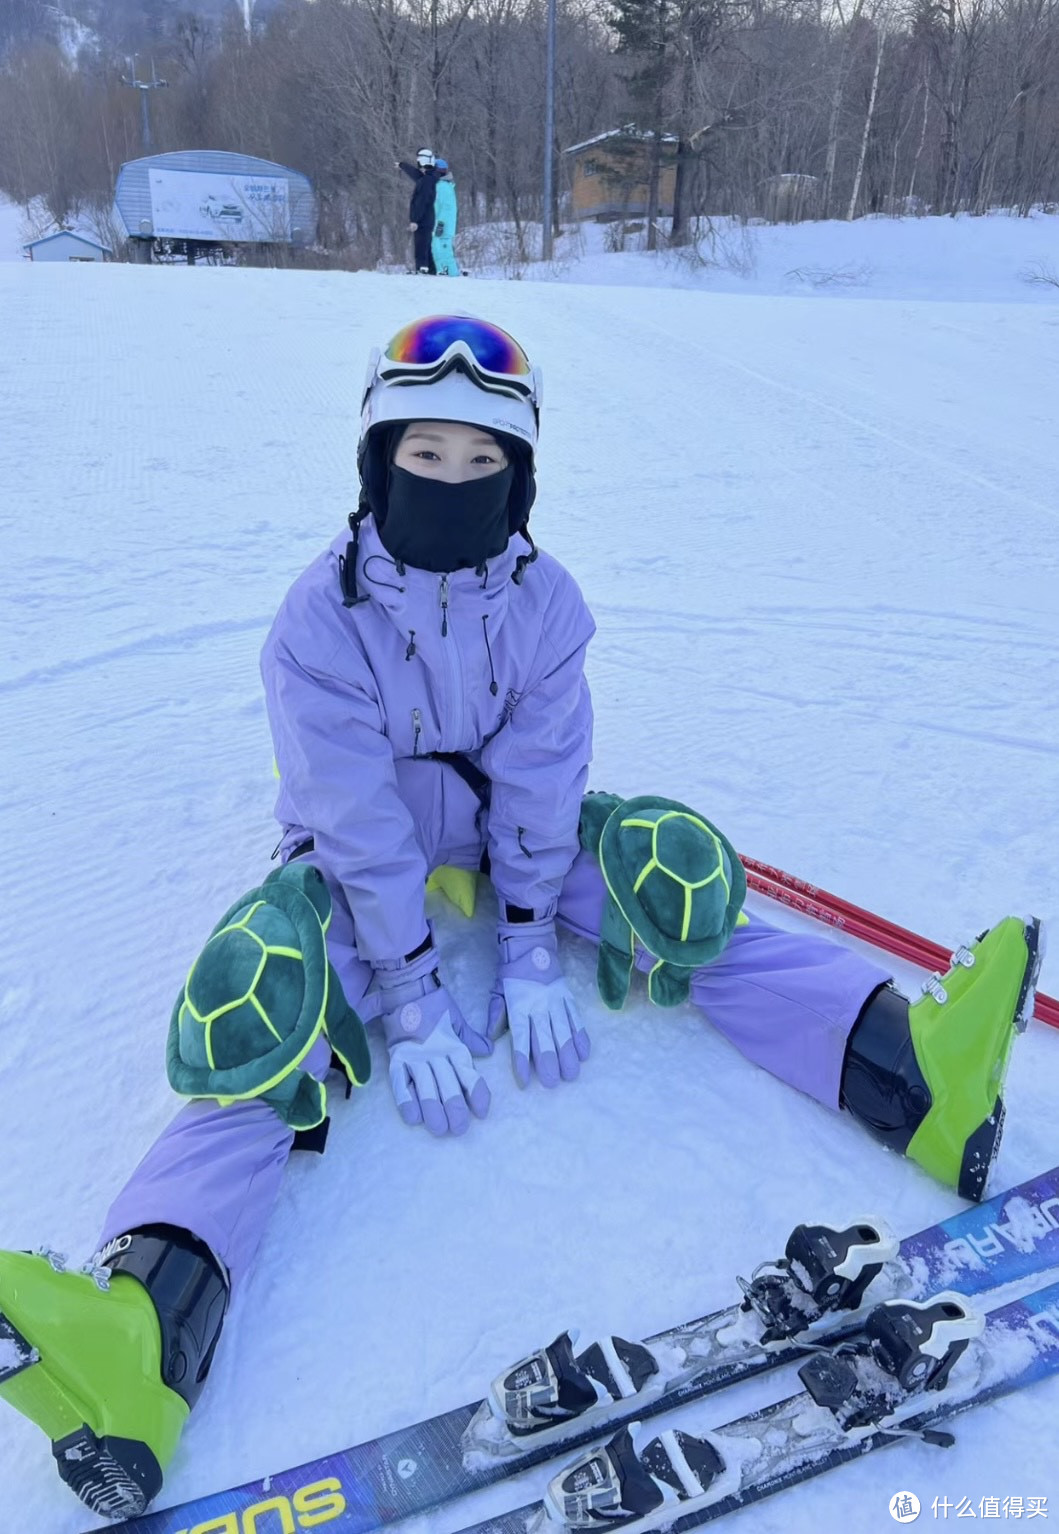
x=442, y=247
x=421, y=207
x=426, y=692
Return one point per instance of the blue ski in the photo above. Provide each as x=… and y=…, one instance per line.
x=910, y=1368
x=558, y=1400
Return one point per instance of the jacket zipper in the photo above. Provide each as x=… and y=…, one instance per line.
x=417, y=726
x=452, y=660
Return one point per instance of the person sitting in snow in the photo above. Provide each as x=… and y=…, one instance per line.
x=442, y=246
x=425, y=684
x=421, y=207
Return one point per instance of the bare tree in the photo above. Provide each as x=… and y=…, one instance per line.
x=881, y=26
x=859, y=104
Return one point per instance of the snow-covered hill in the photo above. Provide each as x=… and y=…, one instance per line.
x=822, y=544
x=996, y=259
x=999, y=258
x=12, y=232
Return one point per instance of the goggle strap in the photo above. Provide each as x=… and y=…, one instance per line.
x=399, y=374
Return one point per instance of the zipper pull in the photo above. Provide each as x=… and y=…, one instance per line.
x=444, y=606
x=488, y=650
x=521, y=832
x=417, y=726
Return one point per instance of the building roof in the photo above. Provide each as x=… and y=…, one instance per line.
x=132, y=195
x=73, y=234
x=630, y=130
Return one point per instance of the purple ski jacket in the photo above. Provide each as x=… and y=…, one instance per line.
x=480, y=665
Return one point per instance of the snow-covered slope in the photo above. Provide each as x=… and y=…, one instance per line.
x=999, y=258
x=996, y=259
x=12, y=233
x=822, y=544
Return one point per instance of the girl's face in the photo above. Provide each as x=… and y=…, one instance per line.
x=449, y=451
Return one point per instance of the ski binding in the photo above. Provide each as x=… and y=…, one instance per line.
x=555, y=1392
x=907, y=1347
x=855, y=1389
x=823, y=1269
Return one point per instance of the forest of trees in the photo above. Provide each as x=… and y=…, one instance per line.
x=888, y=105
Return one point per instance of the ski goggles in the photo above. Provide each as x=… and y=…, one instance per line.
x=428, y=349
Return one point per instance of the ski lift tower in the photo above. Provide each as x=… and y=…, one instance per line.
x=549, y=134
x=143, y=86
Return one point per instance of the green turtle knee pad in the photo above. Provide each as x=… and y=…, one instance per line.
x=258, y=997
x=674, y=884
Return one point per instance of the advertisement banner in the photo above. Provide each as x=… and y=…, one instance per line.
x=191, y=205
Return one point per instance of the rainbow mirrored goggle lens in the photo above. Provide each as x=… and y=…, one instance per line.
x=428, y=348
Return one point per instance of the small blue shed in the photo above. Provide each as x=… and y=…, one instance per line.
x=66, y=245
x=210, y=197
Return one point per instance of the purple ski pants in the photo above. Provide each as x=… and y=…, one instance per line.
x=787, y=1001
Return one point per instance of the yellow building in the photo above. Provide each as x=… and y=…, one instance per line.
x=609, y=175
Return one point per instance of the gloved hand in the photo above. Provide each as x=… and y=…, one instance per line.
x=432, y=1072
x=413, y=227
x=439, y=229
x=532, y=998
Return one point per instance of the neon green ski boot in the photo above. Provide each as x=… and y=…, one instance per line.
x=109, y=1361
x=926, y=1077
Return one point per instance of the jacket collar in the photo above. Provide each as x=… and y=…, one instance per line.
x=411, y=594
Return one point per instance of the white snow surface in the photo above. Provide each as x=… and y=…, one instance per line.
x=13, y=234
x=821, y=541
x=998, y=257
x=19, y=225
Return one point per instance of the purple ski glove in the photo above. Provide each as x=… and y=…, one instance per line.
x=532, y=997
x=432, y=1073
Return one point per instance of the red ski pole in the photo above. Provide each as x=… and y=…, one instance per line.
x=866, y=931
x=834, y=911
x=847, y=908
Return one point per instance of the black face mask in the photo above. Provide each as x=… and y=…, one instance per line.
x=436, y=526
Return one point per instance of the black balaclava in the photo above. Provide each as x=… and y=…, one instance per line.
x=439, y=527
x=433, y=525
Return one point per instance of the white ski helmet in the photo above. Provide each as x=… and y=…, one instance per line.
x=424, y=158
x=450, y=367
